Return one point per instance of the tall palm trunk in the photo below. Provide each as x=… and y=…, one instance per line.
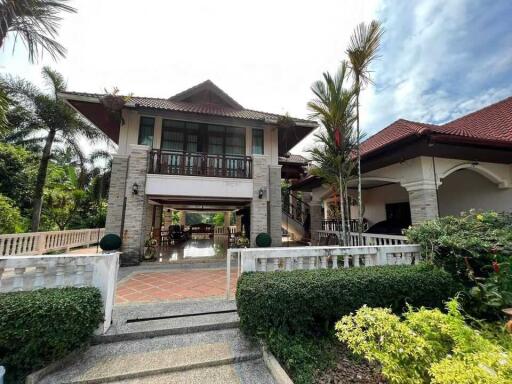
x=359, y=189
x=40, y=180
x=347, y=207
x=342, y=213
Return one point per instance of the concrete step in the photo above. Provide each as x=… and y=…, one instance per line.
x=249, y=372
x=144, y=321
x=177, y=356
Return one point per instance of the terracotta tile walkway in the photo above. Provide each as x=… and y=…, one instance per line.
x=146, y=287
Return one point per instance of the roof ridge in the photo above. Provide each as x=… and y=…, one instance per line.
x=478, y=111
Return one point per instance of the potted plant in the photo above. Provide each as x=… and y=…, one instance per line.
x=150, y=248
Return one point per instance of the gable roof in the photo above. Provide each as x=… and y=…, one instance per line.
x=206, y=87
x=491, y=125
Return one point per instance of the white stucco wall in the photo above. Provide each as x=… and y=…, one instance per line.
x=129, y=134
x=375, y=200
x=466, y=189
x=194, y=186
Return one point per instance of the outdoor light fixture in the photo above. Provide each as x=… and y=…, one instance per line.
x=474, y=164
x=261, y=192
x=135, y=189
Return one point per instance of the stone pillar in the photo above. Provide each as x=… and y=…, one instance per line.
x=183, y=217
x=149, y=220
x=276, y=205
x=116, y=195
x=315, y=212
x=167, y=217
x=136, y=205
x=158, y=216
x=260, y=177
x=423, y=203
x=227, y=218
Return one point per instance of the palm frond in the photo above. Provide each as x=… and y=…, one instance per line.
x=35, y=22
x=363, y=50
x=54, y=80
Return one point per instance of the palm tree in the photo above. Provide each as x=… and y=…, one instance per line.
x=333, y=157
x=362, y=51
x=46, y=120
x=35, y=22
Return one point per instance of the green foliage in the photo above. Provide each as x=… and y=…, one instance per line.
x=310, y=301
x=467, y=244
x=427, y=346
x=263, y=240
x=41, y=326
x=218, y=219
x=301, y=356
x=476, y=248
x=18, y=168
x=10, y=217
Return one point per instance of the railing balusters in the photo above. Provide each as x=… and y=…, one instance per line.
x=17, y=284
x=79, y=275
x=39, y=277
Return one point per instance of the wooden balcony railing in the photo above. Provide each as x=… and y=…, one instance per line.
x=200, y=164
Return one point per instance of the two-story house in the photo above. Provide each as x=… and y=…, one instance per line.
x=197, y=150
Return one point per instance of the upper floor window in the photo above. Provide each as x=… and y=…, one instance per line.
x=146, y=131
x=257, y=142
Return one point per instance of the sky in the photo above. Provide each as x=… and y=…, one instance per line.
x=439, y=59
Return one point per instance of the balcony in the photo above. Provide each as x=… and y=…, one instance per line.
x=199, y=164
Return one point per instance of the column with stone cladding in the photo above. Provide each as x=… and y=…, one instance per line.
x=276, y=207
x=315, y=214
x=136, y=204
x=260, y=177
x=423, y=203
x=113, y=223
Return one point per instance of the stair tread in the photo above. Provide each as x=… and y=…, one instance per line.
x=253, y=371
x=156, y=355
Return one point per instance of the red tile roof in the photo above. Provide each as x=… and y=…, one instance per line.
x=492, y=124
x=180, y=106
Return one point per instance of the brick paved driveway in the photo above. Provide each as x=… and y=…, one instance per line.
x=147, y=287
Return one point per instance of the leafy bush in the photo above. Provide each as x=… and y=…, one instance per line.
x=466, y=245
x=301, y=356
x=428, y=346
x=476, y=248
x=41, y=326
x=263, y=240
x=10, y=219
x=302, y=302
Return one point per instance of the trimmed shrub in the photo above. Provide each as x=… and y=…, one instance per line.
x=110, y=242
x=38, y=327
x=263, y=240
x=302, y=302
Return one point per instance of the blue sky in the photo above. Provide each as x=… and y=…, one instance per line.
x=440, y=59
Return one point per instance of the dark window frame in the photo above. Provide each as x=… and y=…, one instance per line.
x=152, y=130
x=262, y=131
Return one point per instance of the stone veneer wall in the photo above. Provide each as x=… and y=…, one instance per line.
x=116, y=194
x=423, y=203
x=260, y=177
x=315, y=213
x=135, y=212
x=276, y=208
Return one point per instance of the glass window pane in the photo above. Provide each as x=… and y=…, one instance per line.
x=235, y=141
x=146, y=129
x=257, y=142
x=173, y=135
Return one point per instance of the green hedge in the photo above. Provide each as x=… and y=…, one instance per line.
x=38, y=327
x=302, y=302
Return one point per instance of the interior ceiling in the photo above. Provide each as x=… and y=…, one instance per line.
x=198, y=204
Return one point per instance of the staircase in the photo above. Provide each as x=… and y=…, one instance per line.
x=184, y=342
x=294, y=215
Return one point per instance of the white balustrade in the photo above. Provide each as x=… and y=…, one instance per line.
x=367, y=238
x=38, y=243
x=26, y=273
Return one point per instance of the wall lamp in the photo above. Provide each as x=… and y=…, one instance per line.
x=135, y=189
x=261, y=192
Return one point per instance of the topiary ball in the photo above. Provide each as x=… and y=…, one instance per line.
x=110, y=242
x=263, y=240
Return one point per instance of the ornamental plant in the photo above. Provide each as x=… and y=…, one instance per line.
x=427, y=346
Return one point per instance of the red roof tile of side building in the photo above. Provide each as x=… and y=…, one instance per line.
x=490, y=125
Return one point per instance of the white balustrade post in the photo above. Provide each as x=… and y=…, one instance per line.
x=275, y=264
x=263, y=264
x=41, y=246
x=17, y=284
x=79, y=275
x=300, y=262
x=355, y=260
x=346, y=261
x=248, y=262
x=334, y=262
x=312, y=262
x=323, y=262
x=60, y=269
x=39, y=278
x=288, y=264
x=1, y=273
x=368, y=260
